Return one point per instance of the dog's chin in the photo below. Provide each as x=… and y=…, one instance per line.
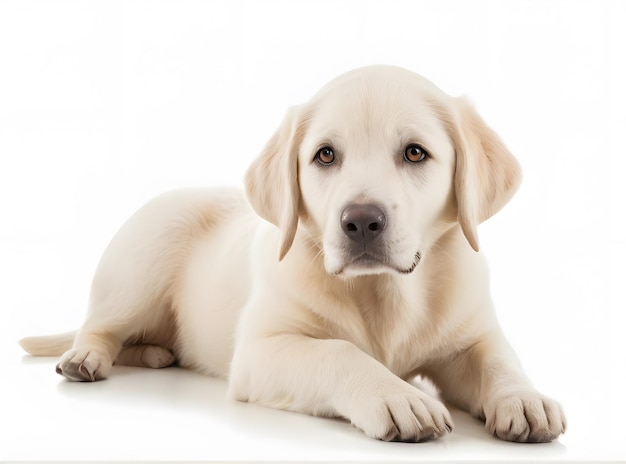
x=371, y=265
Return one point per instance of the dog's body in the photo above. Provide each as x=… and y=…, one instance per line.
x=362, y=276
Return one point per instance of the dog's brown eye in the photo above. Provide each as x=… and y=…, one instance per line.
x=325, y=156
x=415, y=153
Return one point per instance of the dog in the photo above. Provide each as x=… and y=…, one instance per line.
x=351, y=268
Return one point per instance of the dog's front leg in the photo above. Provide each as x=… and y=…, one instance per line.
x=334, y=378
x=487, y=380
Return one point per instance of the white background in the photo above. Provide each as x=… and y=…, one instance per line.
x=105, y=104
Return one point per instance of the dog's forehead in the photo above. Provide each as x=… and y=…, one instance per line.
x=379, y=99
x=380, y=74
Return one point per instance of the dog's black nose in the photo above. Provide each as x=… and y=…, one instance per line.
x=363, y=223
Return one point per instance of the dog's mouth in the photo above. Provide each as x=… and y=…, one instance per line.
x=369, y=263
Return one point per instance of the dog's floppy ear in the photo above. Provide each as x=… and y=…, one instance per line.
x=487, y=175
x=271, y=181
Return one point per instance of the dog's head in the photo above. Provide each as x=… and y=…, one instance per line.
x=376, y=167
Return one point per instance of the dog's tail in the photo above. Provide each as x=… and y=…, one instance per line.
x=51, y=345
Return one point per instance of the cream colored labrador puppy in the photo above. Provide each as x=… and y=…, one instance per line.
x=364, y=273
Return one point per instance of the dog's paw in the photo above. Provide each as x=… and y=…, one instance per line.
x=402, y=414
x=156, y=357
x=84, y=366
x=152, y=356
x=524, y=416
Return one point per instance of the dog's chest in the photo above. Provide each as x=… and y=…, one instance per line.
x=401, y=328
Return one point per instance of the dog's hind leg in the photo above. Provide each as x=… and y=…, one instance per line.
x=134, y=286
x=126, y=306
x=128, y=328
x=129, y=298
x=138, y=336
x=97, y=347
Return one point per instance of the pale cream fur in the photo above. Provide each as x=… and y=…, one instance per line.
x=288, y=314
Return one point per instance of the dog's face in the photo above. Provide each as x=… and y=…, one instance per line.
x=376, y=167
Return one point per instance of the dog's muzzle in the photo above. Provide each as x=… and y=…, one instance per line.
x=366, y=251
